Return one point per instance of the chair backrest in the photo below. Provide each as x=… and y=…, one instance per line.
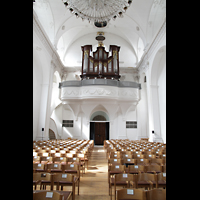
x=42, y=176
x=156, y=194
x=46, y=159
x=154, y=168
x=136, y=168
x=60, y=160
x=129, y=160
x=124, y=177
x=117, y=168
x=38, y=166
x=47, y=195
x=53, y=166
x=146, y=177
x=161, y=176
x=71, y=167
x=63, y=177
x=115, y=161
x=74, y=160
x=142, y=161
x=131, y=194
x=158, y=161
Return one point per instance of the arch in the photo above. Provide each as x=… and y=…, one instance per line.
x=52, y=135
x=158, y=95
x=157, y=65
x=104, y=116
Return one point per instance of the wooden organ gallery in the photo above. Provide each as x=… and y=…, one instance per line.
x=100, y=65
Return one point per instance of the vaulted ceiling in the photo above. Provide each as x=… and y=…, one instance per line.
x=132, y=33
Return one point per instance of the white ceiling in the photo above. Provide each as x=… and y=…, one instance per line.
x=68, y=33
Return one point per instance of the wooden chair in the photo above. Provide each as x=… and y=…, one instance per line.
x=125, y=180
x=44, y=179
x=39, y=167
x=156, y=194
x=47, y=195
x=114, y=161
x=156, y=161
x=128, y=161
x=135, y=169
x=153, y=169
x=36, y=159
x=60, y=160
x=142, y=161
x=54, y=168
x=36, y=180
x=84, y=159
x=161, y=180
x=65, y=180
x=115, y=169
x=46, y=160
x=76, y=161
x=146, y=180
x=129, y=194
x=72, y=169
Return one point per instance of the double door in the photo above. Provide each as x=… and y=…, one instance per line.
x=99, y=131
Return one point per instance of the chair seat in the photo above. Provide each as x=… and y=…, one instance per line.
x=162, y=182
x=143, y=183
x=154, y=171
x=116, y=172
x=71, y=171
x=65, y=182
x=118, y=182
x=56, y=170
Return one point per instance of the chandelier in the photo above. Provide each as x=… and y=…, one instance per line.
x=98, y=11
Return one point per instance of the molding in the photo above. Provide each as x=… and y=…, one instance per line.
x=37, y=27
x=143, y=65
x=96, y=92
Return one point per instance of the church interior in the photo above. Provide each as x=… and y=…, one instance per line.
x=99, y=99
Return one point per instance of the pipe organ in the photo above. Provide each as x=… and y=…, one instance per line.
x=100, y=65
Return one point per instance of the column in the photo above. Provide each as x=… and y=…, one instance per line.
x=155, y=109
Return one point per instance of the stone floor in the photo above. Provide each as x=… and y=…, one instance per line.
x=94, y=183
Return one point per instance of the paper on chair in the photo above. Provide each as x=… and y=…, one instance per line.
x=49, y=194
x=130, y=191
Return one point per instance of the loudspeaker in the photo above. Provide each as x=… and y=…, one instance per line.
x=42, y=129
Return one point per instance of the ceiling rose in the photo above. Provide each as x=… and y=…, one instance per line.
x=98, y=10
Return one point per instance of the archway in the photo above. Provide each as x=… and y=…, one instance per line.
x=51, y=135
x=158, y=94
x=99, y=127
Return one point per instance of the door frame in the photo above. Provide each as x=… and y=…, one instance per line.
x=92, y=129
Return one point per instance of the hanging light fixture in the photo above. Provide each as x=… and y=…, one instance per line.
x=98, y=11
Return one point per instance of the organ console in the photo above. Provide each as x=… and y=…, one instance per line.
x=100, y=65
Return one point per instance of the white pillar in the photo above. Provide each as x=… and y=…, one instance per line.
x=156, y=110
x=48, y=108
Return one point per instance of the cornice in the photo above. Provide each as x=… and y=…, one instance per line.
x=37, y=27
x=143, y=64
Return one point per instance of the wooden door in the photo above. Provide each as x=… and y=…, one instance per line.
x=100, y=132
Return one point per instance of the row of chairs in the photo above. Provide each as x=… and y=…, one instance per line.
x=140, y=180
x=144, y=147
x=135, y=169
x=138, y=194
x=54, y=195
x=137, y=161
x=56, y=179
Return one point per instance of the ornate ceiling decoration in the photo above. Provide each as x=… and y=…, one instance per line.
x=98, y=11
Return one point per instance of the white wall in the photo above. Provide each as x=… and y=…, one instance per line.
x=162, y=101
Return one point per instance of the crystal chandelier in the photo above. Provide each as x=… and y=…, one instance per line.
x=98, y=11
